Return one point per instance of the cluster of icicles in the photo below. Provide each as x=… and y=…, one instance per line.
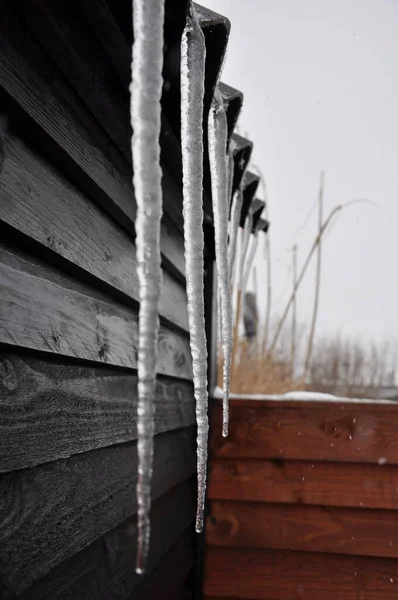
x=146, y=89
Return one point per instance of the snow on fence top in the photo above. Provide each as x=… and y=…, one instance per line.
x=299, y=396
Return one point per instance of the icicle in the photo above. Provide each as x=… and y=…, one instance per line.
x=230, y=169
x=233, y=229
x=219, y=327
x=230, y=175
x=217, y=135
x=247, y=230
x=249, y=262
x=193, y=53
x=146, y=89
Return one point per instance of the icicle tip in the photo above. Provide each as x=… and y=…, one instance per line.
x=199, y=527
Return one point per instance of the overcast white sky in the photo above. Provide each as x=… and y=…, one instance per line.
x=320, y=81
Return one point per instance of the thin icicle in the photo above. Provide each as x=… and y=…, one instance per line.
x=247, y=230
x=249, y=262
x=230, y=169
x=217, y=135
x=146, y=89
x=230, y=176
x=233, y=229
x=193, y=53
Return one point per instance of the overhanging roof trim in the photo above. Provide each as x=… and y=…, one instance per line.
x=233, y=100
x=257, y=207
x=263, y=225
x=216, y=30
x=250, y=186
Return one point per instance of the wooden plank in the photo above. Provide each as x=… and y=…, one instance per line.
x=37, y=200
x=184, y=593
x=271, y=575
x=51, y=512
x=105, y=569
x=41, y=309
x=64, y=33
x=324, y=431
x=303, y=482
x=61, y=28
x=84, y=408
x=73, y=137
x=102, y=21
x=164, y=582
x=304, y=528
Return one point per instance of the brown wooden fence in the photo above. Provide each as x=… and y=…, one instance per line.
x=303, y=502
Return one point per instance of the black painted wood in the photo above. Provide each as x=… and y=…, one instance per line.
x=105, y=569
x=68, y=317
x=69, y=133
x=51, y=512
x=42, y=309
x=165, y=581
x=83, y=407
x=37, y=200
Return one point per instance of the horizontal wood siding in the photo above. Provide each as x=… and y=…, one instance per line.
x=69, y=321
x=105, y=568
x=41, y=309
x=38, y=201
x=84, y=407
x=303, y=502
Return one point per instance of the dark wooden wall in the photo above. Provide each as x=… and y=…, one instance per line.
x=68, y=320
x=304, y=502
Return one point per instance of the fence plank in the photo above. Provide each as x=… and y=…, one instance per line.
x=55, y=510
x=84, y=408
x=81, y=146
x=303, y=482
x=272, y=575
x=314, y=431
x=304, y=528
x=38, y=201
x=40, y=310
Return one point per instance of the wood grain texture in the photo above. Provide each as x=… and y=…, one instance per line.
x=314, y=431
x=165, y=581
x=304, y=528
x=41, y=309
x=37, y=200
x=84, y=408
x=64, y=33
x=105, y=569
x=51, y=512
x=271, y=575
x=101, y=21
x=304, y=482
x=99, y=16
x=73, y=137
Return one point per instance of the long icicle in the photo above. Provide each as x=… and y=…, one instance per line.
x=249, y=262
x=245, y=245
x=193, y=54
x=146, y=90
x=217, y=135
x=237, y=202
